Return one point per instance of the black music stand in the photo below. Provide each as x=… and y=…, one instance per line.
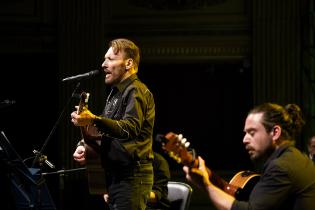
x=27, y=184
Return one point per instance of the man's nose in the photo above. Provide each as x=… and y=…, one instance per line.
x=245, y=139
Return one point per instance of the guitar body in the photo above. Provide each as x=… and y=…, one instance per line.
x=92, y=140
x=245, y=182
x=240, y=186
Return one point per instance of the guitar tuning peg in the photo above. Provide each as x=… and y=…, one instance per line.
x=180, y=136
x=187, y=144
x=171, y=154
x=177, y=158
x=183, y=140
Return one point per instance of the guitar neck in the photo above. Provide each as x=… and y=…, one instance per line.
x=224, y=185
x=84, y=98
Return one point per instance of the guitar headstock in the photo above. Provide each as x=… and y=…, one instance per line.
x=84, y=98
x=177, y=147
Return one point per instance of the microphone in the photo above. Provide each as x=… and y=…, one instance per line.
x=82, y=76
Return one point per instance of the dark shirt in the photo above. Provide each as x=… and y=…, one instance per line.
x=161, y=177
x=127, y=123
x=287, y=183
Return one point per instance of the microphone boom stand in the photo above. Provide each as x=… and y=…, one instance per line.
x=39, y=154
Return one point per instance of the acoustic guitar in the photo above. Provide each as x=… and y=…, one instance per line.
x=91, y=140
x=239, y=186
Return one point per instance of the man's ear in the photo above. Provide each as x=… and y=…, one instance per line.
x=276, y=132
x=129, y=63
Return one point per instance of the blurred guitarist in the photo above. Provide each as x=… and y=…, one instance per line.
x=288, y=177
x=126, y=129
x=158, y=196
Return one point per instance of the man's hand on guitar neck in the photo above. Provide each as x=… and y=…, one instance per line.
x=86, y=117
x=199, y=176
